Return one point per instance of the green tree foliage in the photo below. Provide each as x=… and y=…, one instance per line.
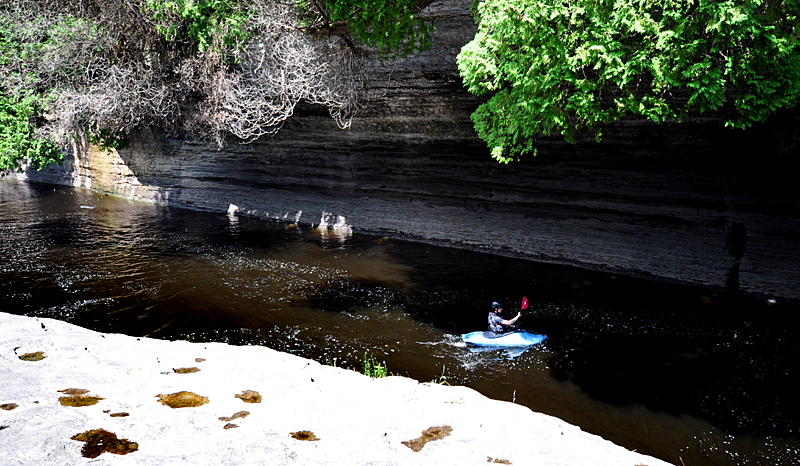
x=390, y=26
x=21, y=105
x=564, y=66
x=210, y=24
x=19, y=144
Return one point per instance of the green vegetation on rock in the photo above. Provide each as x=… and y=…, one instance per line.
x=373, y=368
x=208, y=69
x=568, y=66
x=19, y=144
x=210, y=24
x=392, y=27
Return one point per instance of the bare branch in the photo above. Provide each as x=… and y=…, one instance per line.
x=108, y=66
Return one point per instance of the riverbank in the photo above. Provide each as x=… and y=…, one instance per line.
x=354, y=419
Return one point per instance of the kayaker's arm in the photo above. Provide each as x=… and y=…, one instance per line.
x=511, y=322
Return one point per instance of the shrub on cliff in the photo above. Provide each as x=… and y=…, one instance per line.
x=18, y=141
x=568, y=66
x=195, y=68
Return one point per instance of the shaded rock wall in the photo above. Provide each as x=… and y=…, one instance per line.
x=694, y=203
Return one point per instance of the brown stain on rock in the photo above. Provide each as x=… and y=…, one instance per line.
x=74, y=391
x=8, y=406
x=428, y=435
x=182, y=400
x=230, y=426
x=79, y=401
x=120, y=415
x=186, y=370
x=240, y=414
x=498, y=460
x=249, y=396
x=306, y=435
x=199, y=359
x=99, y=441
x=37, y=356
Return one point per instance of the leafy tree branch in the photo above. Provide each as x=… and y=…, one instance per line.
x=569, y=66
x=19, y=146
x=393, y=27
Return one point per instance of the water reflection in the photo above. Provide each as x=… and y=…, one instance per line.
x=497, y=354
x=674, y=372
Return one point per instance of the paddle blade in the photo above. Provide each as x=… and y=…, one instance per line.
x=524, y=303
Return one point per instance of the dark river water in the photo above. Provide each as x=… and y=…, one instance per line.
x=685, y=374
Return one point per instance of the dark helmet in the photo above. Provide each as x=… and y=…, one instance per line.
x=496, y=306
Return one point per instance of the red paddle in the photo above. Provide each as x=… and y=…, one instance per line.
x=524, y=303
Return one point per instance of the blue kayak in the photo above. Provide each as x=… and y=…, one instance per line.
x=520, y=338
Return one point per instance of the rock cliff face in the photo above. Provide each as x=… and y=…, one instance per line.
x=693, y=203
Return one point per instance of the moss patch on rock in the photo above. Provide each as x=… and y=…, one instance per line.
x=249, y=396
x=182, y=400
x=306, y=435
x=497, y=460
x=74, y=391
x=79, y=401
x=240, y=414
x=99, y=441
x=428, y=435
x=37, y=356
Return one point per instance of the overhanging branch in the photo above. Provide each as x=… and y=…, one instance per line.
x=342, y=28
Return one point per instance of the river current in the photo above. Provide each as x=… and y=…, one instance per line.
x=689, y=375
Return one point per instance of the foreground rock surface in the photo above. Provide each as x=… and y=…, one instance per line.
x=308, y=413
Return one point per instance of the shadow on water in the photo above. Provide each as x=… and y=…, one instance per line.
x=674, y=375
x=678, y=372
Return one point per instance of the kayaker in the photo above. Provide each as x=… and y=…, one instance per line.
x=496, y=322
